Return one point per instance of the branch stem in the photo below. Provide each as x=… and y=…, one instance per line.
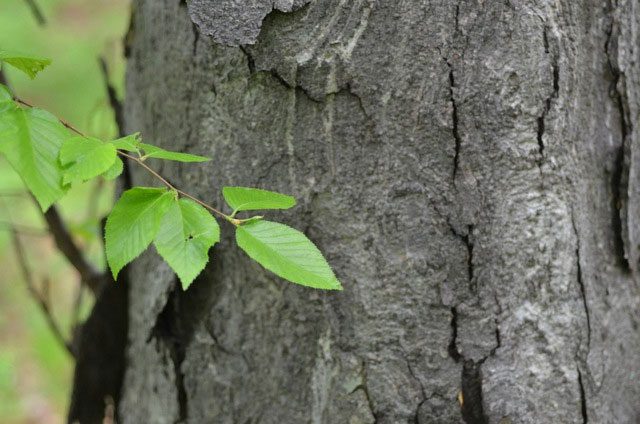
x=40, y=298
x=141, y=163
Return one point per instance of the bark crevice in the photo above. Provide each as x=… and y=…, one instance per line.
x=196, y=38
x=169, y=332
x=583, y=399
x=580, y=280
x=454, y=119
x=620, y=174
x=365, y=389
x=471, y=378
x=555, y=75
x=453, y=348
x=472, y=408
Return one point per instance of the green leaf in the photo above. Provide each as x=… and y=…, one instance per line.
x=85, y=158
x=5, y=94
x=186, y=234
x=30, y=65
x=115, y=170
x=130, y=143
x=249, y=199
x=134, y=223
x=31, y=140
x=286, y=252
x=151, y=151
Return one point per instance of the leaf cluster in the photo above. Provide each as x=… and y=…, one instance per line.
x=51, y=156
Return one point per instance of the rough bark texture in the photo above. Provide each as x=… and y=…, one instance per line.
x=471, y=170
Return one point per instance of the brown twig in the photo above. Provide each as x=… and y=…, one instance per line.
x=118, y=115
x=144, y=165
x=116, y=105
x=39, y=298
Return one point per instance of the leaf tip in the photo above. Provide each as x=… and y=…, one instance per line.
x=114, y=272
x=335, y=285
x=185, y=283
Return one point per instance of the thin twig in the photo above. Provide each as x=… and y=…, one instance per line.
x=36, y=12
x=23, y=229
x=16, y=193
x=116, y=105
x=40, y=300
x=118, y=115
x=145, y=166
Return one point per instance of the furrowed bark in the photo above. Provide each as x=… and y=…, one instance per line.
x=469, y=168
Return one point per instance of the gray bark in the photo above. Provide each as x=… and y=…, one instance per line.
x=469, y=168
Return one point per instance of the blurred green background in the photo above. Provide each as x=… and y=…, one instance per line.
x=35, y=370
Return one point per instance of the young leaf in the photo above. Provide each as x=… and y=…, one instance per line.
x=31, y=143
x=186, y=234
x=130, y=143
x=134, y=223
x=286, y=252
x=249, y=199
x=85, y=158
x=115, y=170
x=151, y=151
x=30, y=65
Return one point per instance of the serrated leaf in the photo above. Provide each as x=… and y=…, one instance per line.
x=85, y=158
x=288, y=253
x=134, y=223
x=31, y=141
x=130, y=143
x=115, y=170
x=30, y=65
x=186, y=234
x=249, y=199
x=151, y=151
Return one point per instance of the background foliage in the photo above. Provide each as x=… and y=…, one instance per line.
x=35, y=371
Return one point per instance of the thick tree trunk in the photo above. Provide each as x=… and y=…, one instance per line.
x=469, y=168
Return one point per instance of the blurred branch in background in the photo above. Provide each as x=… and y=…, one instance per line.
x=116, y=105
x=73, y=33
x=89, y=275
x=23, y=229
x=42, y=298
x=36, y=12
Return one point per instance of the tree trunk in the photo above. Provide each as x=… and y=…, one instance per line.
x=471, y=171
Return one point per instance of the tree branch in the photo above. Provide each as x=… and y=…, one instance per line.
x=89, y=275
x=41, y=300
x=116, y=105
x=23, y=229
